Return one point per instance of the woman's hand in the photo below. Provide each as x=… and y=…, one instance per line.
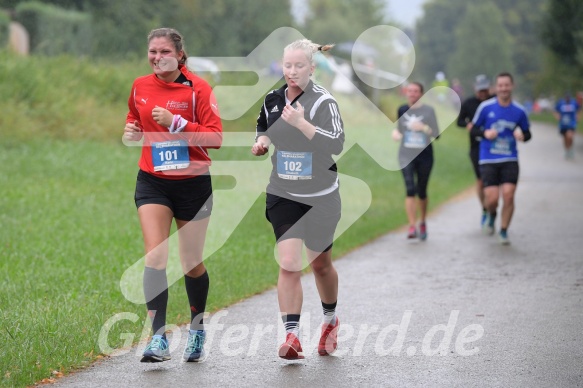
x=417, y=126
x=132, y=131
x=397, y=136
x=259, y=149
x=162, y=116
x=293, y=116
x=261, y=146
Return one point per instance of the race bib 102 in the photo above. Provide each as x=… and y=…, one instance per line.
x=294, y=165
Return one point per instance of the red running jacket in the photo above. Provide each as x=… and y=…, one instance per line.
x=196, y=104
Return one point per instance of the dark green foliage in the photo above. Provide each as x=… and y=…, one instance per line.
x=563, y=30
x=210, y=28
x=334, y=21
x=488, y=52
x=68, y=4
x=4, y=28
x=54, y=30
x=435, y=34
x=439, y=37
x=118, y=29
x=562, y=33
x=228, y=28
x=121, y=27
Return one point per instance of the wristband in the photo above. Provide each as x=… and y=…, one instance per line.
x=178, y=124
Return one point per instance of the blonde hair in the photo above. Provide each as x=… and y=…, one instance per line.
x=308, y=47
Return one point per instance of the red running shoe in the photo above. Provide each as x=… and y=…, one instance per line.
x=412, y=232
x=329, y=339
x=291, y=349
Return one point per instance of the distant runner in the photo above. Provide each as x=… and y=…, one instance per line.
x=566, y=112
x=416, y=127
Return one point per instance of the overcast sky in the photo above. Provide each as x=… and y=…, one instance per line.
x=404, y=12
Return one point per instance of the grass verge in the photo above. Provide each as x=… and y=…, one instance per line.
x=70, y=230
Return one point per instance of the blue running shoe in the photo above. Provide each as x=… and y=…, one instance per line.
x=484, y=218
x=488, y=225
x=157, y=350
x=570, y=154
x=423, y=231
x=194, y=351
x=503, y=238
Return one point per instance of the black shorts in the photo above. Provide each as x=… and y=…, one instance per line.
x=416, y=177
x=495, y=174
x=189, y=199
x=563, y=131
x=313, y=220
x=475, y=158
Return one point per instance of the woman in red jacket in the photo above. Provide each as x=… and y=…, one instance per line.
x=174, y=113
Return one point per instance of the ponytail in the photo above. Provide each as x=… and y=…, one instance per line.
x=308, y=47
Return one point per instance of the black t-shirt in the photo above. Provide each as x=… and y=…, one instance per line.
x=467, y=112
x=182, y=80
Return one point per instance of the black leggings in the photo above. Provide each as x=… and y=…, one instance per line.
x=420, y=166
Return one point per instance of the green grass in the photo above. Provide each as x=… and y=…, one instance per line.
x=70, y=229
x=543, y=117
x=548, y=118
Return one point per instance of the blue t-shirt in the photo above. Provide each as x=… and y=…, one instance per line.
x=505, y=119
x=568, y=112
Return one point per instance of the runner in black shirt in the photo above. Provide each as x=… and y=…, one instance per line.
x=467, y=112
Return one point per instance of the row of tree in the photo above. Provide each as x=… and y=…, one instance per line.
x=465, y=38
x=541, y=41
x=211, y=28
x=562, y=33
x=215, y=27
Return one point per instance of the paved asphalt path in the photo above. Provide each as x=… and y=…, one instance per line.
x=458, y=310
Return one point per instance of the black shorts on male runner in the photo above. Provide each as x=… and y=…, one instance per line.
x=495, y=174
x=563, y=131
x=189, y=199
x=312, y=219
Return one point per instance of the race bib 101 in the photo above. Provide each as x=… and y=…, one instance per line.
x=170, y=155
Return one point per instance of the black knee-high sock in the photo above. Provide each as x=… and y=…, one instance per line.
x=156, y=293
x=197, y=290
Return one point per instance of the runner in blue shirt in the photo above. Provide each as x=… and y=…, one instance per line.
x=566, y=113
x=504, y=123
